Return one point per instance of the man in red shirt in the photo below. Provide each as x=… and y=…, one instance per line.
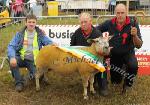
x=82, y=34
x=126, y=37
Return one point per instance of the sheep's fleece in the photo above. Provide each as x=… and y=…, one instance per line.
x=51, y=58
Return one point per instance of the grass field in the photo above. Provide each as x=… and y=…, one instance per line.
x=64, y=90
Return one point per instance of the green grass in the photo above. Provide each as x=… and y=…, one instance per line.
x=68, y=91
x=64, y=90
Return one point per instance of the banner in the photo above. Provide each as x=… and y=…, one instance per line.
x=62, y=34
x=85, y=56
x=143, y=54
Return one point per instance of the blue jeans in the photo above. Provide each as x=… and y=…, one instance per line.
x=22, y=63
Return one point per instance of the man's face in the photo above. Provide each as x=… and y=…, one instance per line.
x=31, y=23
x=85, y=23
x=121, y=14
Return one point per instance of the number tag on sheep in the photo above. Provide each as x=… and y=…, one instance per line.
x=48, y=54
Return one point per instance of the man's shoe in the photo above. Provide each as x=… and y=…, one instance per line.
x=19, y=87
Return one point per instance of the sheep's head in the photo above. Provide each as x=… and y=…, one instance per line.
x=102, y=45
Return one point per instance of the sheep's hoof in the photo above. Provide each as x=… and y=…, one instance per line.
x=93, y=92
x=37, y=89
x=86, y=97
x=45, y=82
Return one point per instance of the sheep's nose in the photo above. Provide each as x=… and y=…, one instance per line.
x=106, y=47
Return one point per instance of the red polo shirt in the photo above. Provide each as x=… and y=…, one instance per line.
x=120, y=27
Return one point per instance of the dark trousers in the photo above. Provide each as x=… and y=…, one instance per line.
x=101, y=79
x=117, y=72
x=22, y=63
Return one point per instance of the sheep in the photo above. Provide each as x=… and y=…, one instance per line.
x=51, y=58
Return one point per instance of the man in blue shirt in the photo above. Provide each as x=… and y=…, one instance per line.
x=23, y=49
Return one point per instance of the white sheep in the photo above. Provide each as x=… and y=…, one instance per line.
x=51, y=58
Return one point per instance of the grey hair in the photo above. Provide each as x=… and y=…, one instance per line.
x=85, y=14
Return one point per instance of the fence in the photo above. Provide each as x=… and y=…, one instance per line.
x=99, y=7
x=74, y=7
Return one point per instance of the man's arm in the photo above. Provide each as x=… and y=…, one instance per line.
x=73, y=40
x=12, y=50
x=136, y=36
x=46, y=40
x=103, y=27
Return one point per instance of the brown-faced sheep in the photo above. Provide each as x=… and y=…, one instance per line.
x=53, y=59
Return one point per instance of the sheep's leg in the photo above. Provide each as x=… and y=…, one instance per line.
x=37, y=82
x=91, y=80
x=37, y=77
x=85, y=85
x=45, y=79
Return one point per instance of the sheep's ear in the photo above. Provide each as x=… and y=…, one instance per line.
x=90, y=41
x=108, y=37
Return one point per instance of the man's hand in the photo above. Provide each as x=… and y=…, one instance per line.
x=13, y=62
x=134, y=31
x=136, y=40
